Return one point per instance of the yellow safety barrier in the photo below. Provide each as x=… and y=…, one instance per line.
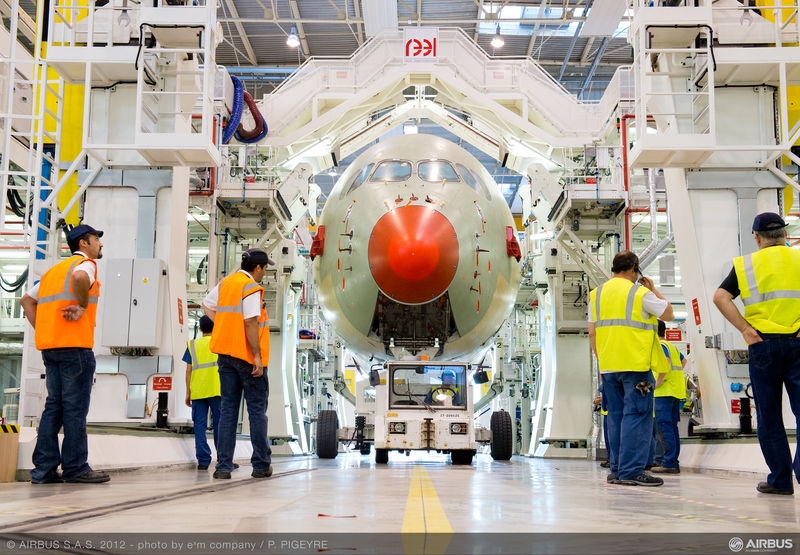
x=9, y=449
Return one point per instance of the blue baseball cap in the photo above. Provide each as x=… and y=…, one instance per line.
x=768, y=221
x=80, y=230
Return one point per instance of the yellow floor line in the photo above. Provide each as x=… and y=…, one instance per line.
x=424, y=513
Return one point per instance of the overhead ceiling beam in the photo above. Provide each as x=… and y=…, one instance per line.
x=595, y=63
x=568, y=55
x=251, y=55
x=297, y=21
x=480, y=10
x=532, y=42
x=439, y=22
x=587, y=50
x=360, y=29
x=417, y=13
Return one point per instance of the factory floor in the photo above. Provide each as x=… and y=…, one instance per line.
x=414, y=504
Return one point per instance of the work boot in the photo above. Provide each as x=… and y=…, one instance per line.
x=91, y=477
x=764, y=487
x=262, y=473
x=665, y=470
x=54, y=478
x=643, y=479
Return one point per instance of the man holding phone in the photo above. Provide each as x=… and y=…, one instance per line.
x=623, y=321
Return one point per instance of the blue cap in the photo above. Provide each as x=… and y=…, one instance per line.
x=767, y=221
x=83, y=229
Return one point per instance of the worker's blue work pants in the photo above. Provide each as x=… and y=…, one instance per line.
x=775, y=363
x=668, y=413
x=629, y=420
x=235, y=378
x=200, y=408
x=69, y=375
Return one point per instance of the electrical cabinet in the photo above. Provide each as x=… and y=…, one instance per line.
x=132, y=300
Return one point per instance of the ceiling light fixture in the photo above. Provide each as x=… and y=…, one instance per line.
x=293, y=40
x=124, y=19
x=497, y=40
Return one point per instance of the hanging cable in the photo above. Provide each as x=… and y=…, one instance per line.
x=259, y=131
x=11, y=287
x=236, y=110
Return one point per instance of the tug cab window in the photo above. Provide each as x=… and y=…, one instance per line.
x=432, y=385
x=437, y=170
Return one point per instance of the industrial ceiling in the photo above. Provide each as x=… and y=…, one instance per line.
x=580, y=43
x=553, y=33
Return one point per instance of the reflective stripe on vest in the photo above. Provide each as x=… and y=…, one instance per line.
x=205, y=375
x=53, y=331
x=674, y=384
x=769, y=283
x=228, y=336
x=263, y=335
x=624, y=340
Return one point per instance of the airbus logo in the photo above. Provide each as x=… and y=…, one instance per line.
x=759, y=545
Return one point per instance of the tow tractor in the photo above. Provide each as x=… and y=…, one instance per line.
x=417, y=406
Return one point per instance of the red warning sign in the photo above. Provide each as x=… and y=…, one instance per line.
x=736, y=408
x=673, y=335
x=696, y=310
x=162, y=383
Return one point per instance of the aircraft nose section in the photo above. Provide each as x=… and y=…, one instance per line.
x=413, y=254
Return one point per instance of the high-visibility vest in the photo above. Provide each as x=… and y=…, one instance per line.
x=625, y=341
x=204, y=381
x=53, y=331
x=674, y=384
x=228, y=336
x=769, y=284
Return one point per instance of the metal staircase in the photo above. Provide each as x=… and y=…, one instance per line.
x=342, y=100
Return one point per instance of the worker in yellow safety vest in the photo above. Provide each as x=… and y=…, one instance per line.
x=669, y=394
x=768, y=282
x=622, y=333
x=241, y=340
x=202, y=390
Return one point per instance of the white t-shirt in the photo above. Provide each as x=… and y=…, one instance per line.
x=650, y=305
x=251, y=305
x=86, y=266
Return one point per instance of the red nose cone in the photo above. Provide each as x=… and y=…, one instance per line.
x=413, y=254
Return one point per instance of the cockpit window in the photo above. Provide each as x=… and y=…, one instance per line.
x=392, y=170
x=436, y=170
x=359, y=179
x=468, y=176
x=474, y=181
